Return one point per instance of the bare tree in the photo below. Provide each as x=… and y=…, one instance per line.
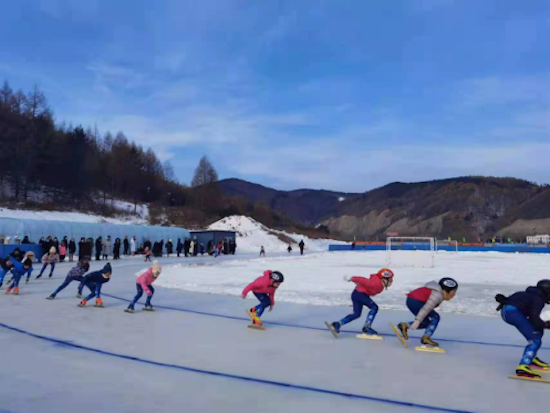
x=36, y=103
x=169, y=173
x=204, y=173
x=5, y=94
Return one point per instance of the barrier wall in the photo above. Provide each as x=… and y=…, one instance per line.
x=8, y=249
x=510, y=248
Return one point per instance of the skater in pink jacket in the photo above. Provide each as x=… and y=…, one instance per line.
x=264, y=289
x=144, y=283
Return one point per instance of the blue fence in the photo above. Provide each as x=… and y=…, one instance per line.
x=413, y=246
x=5, y=250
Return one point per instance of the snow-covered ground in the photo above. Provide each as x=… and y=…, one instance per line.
x=252, y=235
x=142, y=217
x=318, y=278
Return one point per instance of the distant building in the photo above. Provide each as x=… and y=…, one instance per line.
x=539, y=239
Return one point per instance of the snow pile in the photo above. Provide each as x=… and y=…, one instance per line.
x=71, y=216
x=252, y=235
x=318, y=278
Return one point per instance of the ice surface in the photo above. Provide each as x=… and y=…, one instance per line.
x=143, y=362
x=252, y=235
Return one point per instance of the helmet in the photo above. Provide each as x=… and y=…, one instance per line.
x=385, y=273
x=448, y=284
x=544, y=286
x=277, y=276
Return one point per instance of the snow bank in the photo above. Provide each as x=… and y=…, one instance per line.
x=252, y=235
x=318, y=278
x=72, y=216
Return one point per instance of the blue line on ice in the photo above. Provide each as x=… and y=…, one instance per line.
x=482, y=343
x=231, y=376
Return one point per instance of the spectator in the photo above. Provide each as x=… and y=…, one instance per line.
x=116, y=249
x=133, y=246
x=72, y=249
x=81, y=245
x=26, y=240
x=107, y=248
x=191, y=247
x=353, y=246
x=126, y=245
x=62, y=252
x=55, y=243
x=169, y=248
x=187, y=246
x=147, y=244
x=262, y=252
x=289, y=249
x=179, y=247
x=98, y=248
x=301, y=245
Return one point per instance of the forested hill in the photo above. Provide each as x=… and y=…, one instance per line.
x=72, y=162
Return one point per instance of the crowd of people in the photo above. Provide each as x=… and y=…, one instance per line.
x=104, y=249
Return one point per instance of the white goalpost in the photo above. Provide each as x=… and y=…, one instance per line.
x=453, y=244
x=418, y=252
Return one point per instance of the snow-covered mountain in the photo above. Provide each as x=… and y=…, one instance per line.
x=252, y=235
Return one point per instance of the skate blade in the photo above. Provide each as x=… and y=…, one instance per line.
x=256, y=327
x=399, y=336
x=529, y=379
x=98, y=306
x=369, y=337
x=250, y=315
x=129, y=311
x=540, y=369
x=148, y=309
x=331, y=329
x=430, y=349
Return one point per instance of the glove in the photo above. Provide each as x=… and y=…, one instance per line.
x=243, y=296
x=347, y=278
x=149, y=294
x=415, y=325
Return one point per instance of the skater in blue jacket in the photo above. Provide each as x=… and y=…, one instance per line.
x=94, y=281
x=18, y=270
x=522, y=310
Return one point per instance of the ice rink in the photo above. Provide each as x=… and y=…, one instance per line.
x=195, y=353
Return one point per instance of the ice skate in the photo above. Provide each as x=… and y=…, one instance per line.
x=148, y=307
x=426, y=340
x=368, y=330
x=257, y=324
x=130, y=309
x=98, y=303
x=82, y=303
x=8, y=291
x=38, y=276
x=27, y=281
x=334, y=328
x=538, y=364
x=51, y=297
x=79, y=295
x=523, y=370
x=16, y=290
x=429, y=345
x=404, y=330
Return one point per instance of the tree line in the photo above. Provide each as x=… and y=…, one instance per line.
x=74, y=163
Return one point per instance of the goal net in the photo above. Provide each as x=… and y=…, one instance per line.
x=415, y=252
x=450, y=246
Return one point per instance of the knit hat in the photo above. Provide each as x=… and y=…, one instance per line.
x=157, y=269
x=53, y=250
x=106, y=269
x=28, y=262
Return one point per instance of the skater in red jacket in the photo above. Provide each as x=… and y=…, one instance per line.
x=361, y=296
x=264, y=289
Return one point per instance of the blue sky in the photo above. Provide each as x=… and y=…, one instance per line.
x=322, y=94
